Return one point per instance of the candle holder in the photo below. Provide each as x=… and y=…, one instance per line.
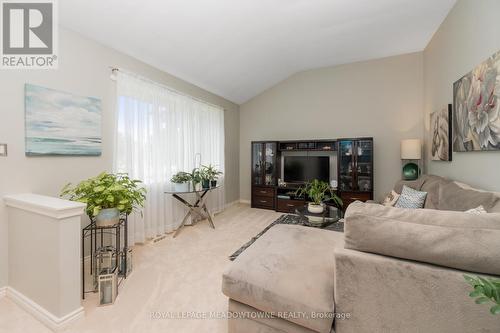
x=104, y=261
x=108, y=286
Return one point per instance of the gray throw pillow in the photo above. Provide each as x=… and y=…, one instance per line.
x=411, y=198
x=454, y=197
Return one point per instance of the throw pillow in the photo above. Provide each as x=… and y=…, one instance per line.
x=454, y=197
x=411, y=198
x=477, y=210
x=390, y=199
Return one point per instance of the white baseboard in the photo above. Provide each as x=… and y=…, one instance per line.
x=235, y=202
x=3, y=291
x=45, y=317
x=230, y=204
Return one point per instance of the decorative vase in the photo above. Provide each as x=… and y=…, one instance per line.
x=410, y=171
x=197, y=186
x=205, y=183
x=181, y=187
x=315, y=209
x=107, y=217
x=213, y=183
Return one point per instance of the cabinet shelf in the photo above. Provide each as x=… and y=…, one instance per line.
x=355, y=167
x=313, y=145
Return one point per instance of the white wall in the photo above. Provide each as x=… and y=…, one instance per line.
x=83, y=70
x=469, y=35
x=379, y=98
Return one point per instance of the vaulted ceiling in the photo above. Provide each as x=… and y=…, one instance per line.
x=239, y=48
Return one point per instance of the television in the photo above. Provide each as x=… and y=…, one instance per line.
x=299, y=169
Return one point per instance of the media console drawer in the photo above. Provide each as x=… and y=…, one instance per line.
x=288, y=206
x=263, y=202
x=259, y=191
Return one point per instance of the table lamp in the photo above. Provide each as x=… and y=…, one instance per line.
x=411, y=150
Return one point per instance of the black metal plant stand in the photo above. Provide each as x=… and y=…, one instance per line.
x=96, y=234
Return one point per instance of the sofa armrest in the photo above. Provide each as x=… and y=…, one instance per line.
x=385, y=294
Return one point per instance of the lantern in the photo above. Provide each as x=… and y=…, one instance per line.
x=108, y=286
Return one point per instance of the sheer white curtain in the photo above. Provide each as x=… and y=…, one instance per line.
x=158, y=133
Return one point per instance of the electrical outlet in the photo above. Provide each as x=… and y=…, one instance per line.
x=3, y=149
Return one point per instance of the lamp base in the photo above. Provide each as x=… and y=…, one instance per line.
x=411, y=171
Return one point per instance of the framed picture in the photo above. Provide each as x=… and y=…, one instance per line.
x=441, y=149
x=59, y=123
x=476, y=106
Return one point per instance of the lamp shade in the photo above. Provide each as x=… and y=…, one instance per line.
x=411, y=149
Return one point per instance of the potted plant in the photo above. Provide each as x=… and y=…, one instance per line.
x=318, y=191
x=211, y=174
x=196, y=179
x=107, y=195
x=205, y=177
x=181, y=181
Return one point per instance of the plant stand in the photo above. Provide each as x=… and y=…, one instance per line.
x=199, y=208
x=97, y=242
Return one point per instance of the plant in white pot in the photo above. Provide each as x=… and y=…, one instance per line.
x=107, y=195
x=318, y=192
x=181, y=181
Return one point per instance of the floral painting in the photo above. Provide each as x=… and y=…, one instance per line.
x=476, y=121
x=59, y=123
x=441, y=135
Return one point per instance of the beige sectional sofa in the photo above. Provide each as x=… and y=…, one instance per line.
x=393, y=270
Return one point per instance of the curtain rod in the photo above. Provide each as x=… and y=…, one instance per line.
x=143, y=78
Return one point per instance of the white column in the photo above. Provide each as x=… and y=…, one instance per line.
x=44, y=236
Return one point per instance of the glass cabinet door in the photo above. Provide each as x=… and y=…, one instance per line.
x=257, y=163
x=270, y=149
x=364, y=157
x=346, y=165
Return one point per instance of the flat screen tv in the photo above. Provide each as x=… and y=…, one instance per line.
x=299, y=169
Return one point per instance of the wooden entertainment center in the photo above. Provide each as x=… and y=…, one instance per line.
x=354, y=170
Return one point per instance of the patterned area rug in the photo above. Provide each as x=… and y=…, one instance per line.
x=284, y=219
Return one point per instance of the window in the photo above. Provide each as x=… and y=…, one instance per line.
x=160, y=132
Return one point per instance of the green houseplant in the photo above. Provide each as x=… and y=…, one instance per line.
x=181, y=181
x=210, y=175
x=486, y=290
x=318, y=191
x=196, y=179
x=107, y=195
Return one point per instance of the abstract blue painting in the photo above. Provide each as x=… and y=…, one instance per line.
x=59, y=123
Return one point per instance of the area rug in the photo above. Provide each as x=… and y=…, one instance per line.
x=283, y=219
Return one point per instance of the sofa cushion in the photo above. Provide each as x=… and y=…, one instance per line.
x=411, y=198
x=425, y=216
x=454, y=197
x=467, y=242
x=431, y=186
x=289, y=269
x=426, y=183
x=414, y=184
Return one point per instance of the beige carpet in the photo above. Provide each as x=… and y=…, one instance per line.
x=174, y=277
